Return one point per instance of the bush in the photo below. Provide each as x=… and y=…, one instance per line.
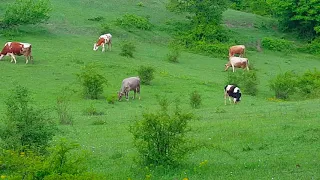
x=160, y=137
x=312, y=48
x=134, y=21
x=112, y=99
x=309, y=83
x=104, y=28
x=173, y=55
x=92, y=111
x=25, y=126
x=146, y=74
x=23, y=12
x=247, y=80
x=92, y=81
x=284, y=85
x=127, y=49
x=195, y=99
x=277, y=44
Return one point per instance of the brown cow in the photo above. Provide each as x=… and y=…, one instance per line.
x=17, y=48
x=103, y=39
x=238, y=49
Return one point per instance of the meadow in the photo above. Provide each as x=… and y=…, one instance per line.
x=260, y=138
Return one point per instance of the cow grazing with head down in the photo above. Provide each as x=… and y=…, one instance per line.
x=232, y=91
x=103, y=39
x=17, y=48
x=129, y=84
x=237, y=62
x=238, y=49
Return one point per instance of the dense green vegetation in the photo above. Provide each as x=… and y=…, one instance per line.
x=263, y=137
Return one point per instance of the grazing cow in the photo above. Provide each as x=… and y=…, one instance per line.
x=232, y=91
x=130, y=84
x=237, y=62
x=17, y=48
x=103, y=39
x=238, y=49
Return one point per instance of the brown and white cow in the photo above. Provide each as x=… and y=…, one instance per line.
x=237, y=62
x=129, y=84
x=238, y=49
x=103, y=39
x=17, y=48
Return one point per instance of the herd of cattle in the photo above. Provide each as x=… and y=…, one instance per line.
x=133, y=83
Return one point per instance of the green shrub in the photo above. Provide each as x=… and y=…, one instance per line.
x=25, y=126
x=173, y=55
x=284, y=85
x=26, y=12
x=160, y=137
x=112, y=99
x=127, y=49
x=195, y=99
x=134, y=21
x=99, y=122
x=309, y=83
x=312, y=48
x=97, y=19
x=146, y=74
x=92, y=81
x=277, y=44
x=247, y=80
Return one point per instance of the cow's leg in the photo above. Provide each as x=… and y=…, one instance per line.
x=134, y=94
x=232, y=68
x=27, y=59
x=103, y=49
x=13, y=58
x=127, y=96
x=225, y=98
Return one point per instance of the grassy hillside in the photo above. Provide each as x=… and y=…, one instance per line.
x=261, y=138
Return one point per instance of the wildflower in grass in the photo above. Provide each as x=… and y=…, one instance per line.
x=185, y=178
x=2, y=176
x=22, y=154
x=203, y=163
x=148, y=176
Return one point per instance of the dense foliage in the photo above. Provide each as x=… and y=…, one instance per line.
x=146, y=74
x=25, y=126
x=160, y=137
x=246, y=80
x=23, y=12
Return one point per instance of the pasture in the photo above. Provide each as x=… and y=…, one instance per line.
x=260, y=138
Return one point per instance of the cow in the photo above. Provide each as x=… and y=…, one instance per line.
x=237, y=62
x=103, y=39
x=232, y=91
x=17, y=48
x=129, y=84
x=238, y=49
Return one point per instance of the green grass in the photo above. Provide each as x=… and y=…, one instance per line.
x=258, y=139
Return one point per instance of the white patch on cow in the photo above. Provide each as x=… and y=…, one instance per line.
x=95, y=47
x=8, y=44
x=236, y=90
x=106, y=36
x=26, y=45
x=1, y=56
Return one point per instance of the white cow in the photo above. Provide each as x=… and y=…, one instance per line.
x=129, y=84
x=237, y=62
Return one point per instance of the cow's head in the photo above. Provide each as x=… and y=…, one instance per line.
x=120, y=94
x=95, y=47
x=237, y=99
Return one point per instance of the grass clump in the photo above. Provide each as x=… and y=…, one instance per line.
x=284, y=85
x=247, y=80
x=195, y=99
x=134, y=21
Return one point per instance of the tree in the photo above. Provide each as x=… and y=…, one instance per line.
x=298, y=15
x=23, y=12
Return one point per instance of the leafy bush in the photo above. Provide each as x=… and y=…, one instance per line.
x=127, y=49
x=112, y=99
x=277, y=44
x=247, y=80
x=284, y=85
x=146, y=74
x=195, y=99
x=23, y=12
x=160, y=137
x=312, y=48
x=92, y=111
x=134, y=21
x=92, y=81
x=25, y=126
x=173, y=55
x=309, y=83
x=104, y=28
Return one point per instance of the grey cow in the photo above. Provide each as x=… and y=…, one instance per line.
x=129, y=84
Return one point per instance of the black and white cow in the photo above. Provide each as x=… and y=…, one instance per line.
x=232, y=91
